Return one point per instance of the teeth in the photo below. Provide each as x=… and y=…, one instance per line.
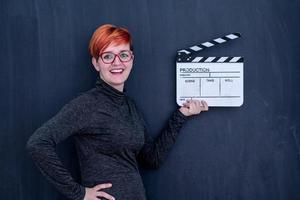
x=117, y=70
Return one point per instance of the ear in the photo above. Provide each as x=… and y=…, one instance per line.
x=95, y=64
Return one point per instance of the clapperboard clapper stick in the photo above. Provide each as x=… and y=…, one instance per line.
x=217, y=80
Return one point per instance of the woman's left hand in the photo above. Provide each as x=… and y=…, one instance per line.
x=193, y=107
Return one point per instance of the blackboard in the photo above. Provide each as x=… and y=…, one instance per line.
x=251, y=152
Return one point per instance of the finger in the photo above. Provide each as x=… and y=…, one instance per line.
x=105, y=195
x=199, y=107
x=102, y=186
x=205, y=105
x=186, y=105
x=196, y=103
x=199, y=104
x=192, y=106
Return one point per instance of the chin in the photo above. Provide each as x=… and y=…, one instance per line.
x=117, y=81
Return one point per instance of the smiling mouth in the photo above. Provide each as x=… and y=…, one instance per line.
x=116, y=71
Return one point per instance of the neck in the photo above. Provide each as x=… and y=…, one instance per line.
x=119, y=87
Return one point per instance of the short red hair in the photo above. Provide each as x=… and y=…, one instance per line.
x=107, y=34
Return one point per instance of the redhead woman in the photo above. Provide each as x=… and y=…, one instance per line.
x=109, y=132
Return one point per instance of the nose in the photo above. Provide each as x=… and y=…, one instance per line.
x=117, y=61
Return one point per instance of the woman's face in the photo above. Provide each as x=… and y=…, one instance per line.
x=116, y=72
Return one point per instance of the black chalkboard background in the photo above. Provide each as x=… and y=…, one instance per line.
x=247, y=153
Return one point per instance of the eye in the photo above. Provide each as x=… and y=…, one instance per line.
x=107, y=56
x=124, y=55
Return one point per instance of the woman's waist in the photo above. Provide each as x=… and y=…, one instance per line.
x=100, y=171
x=111, y=176
x=124, y=185
x=101, y=165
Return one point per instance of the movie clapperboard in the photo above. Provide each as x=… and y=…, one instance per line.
x=217, y=80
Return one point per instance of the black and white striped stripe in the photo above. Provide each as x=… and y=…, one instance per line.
x=197, y=48
x=198, y=59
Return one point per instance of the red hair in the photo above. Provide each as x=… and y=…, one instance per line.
x=107, y=34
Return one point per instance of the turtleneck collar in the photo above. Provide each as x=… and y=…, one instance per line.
x=116, y=95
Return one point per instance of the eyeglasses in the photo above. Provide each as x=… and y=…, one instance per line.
x=109, y=57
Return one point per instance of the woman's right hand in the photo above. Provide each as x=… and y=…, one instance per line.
x=193, y=107
x=94, y=193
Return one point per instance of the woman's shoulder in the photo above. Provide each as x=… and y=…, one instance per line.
x=83, y=99
x=132, y=102
x=135, y=105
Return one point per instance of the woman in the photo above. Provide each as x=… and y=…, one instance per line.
x=110, y=134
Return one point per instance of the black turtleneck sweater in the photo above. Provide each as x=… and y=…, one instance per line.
x=111, y=140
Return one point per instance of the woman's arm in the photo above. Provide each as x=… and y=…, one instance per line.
x=41, y=146
x=155, y=151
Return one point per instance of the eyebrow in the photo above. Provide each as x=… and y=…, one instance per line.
x=113, y=52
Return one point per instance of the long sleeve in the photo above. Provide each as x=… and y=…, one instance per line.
x=154, y=152
x=41, y=146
